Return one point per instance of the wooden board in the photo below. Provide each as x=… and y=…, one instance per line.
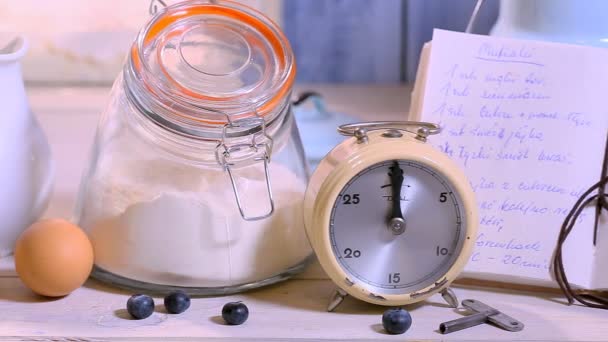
x=295, y=309
x=69, y=118
x=292, y=310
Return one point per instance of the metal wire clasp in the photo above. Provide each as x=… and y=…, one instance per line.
x=254, y=152
x=153, y=7
x=359, y=130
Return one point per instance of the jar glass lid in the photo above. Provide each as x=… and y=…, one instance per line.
x=224, y=57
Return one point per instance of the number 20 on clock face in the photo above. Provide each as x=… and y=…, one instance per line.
x=389, y=216
x=410, y=258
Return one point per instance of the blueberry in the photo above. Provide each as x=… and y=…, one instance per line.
x=235, y=313
x=177, y=302
x=140, y=306
x=396, y=321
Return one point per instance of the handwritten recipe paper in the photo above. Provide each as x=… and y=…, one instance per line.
x=528, y=122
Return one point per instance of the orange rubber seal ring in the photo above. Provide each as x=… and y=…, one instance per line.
x=275, y=37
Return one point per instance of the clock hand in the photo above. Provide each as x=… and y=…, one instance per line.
x=396, y=222
x=396, y=175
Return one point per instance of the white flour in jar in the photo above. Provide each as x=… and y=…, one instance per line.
x=181, y=225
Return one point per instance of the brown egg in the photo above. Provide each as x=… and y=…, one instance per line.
x=53, y=257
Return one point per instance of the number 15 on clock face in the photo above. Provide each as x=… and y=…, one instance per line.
x=396, y=225
x=390, y=217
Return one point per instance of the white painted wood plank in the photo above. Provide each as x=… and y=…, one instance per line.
x=294, y=309
x=69, y=118
x=7, y=268
x=73, y=41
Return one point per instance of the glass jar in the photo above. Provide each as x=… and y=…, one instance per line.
x=197, y=173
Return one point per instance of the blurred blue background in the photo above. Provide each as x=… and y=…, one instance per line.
x=365, y=41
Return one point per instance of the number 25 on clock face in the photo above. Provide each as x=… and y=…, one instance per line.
x=411, y=257
x=389, y=216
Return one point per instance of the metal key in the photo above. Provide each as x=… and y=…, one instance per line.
x=483, y=314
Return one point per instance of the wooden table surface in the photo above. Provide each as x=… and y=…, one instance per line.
x=291, y=310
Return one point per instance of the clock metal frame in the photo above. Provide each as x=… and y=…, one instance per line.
x=351, y=157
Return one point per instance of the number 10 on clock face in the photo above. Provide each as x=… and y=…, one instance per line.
x=397, y=227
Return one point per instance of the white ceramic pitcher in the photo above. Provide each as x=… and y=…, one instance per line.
x=565, y=21
x=26, y=168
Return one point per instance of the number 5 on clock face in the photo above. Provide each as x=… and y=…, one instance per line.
x=429, y=237
x=390, y=217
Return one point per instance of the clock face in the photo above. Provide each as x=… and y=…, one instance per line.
x=397, y=227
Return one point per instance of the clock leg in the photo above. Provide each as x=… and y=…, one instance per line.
x=450, y=297
x=336, y=300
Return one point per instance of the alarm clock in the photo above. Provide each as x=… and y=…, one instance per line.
x=391, y=218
